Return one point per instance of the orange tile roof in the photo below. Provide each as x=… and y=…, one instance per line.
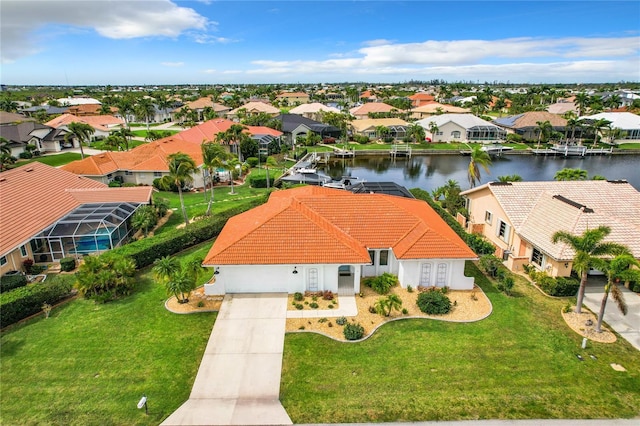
x=371, y=107
x=98, y=122
x=35, y=195
x=312, y=224
x=208, y=130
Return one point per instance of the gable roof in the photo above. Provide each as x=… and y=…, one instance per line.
x=208, y=130
x=538, y=209
x=36, y=195
x=314, y=224
x=21, y=132
x=256, y=107
x=619, y=120
x=204, y=102
x=367, y=123
x=435, y=107
x=466, y=121
x=13, y=118
x=292, y=121
x=530, y=119
x=312, y=108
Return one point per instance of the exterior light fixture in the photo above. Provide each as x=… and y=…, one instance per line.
x=217, y=271
x=143, y=403
x=295, y=270
x=566, y=264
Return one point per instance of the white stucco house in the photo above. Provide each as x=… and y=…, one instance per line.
x=461, y=128
x=316, y=239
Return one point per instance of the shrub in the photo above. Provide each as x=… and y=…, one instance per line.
x=25, y=301
x=567, y=308
x=252, y=161
x=383, y=283
x=25, y=155
x=68, y=264
x=489, y=264
x=10, y=282
x=27, y=264
x=299, y=306
x=405, y=311
x=409, y=289
x=313, y=305
x=341, y=321
x=297, y=296
x=635, y=287
x=353, y=331
x=322, y=320
x=434, y=302
x=506, y=284
x=258, y=178
x=37, y=269
x=327, y=295
x=114, y=184
x=104, y=278
x=372, y=310
x=566, y=286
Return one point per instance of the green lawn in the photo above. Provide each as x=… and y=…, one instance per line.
x=53, y=160
x=89, y=364
x=519, y=363
x=629, y=146
x=143, y=133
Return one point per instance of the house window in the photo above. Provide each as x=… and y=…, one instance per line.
x=23, y=251
x=455, y=134
x=537, y=257
x=384, y=257
x=439, y=133
x=157, y=174
x=503, y=230
x=3, y=260
x=488, y=217
x=372, y=255
x=128, y=173
x=441, y=275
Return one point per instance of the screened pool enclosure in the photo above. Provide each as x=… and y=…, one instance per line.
x=90, y=228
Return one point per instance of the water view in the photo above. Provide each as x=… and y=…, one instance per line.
x=431, y=171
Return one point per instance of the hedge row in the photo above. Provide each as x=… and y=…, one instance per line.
x=477, y=243
x=144, y=252
x=259, y=179
x=9, y=282
x=25, y=301
x=558, y=287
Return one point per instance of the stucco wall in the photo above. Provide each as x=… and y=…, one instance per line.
x=409, y=273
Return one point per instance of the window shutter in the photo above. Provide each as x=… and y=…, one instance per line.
x=498, y=225
x=507, y=232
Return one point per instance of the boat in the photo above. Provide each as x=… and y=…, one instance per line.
x=495, y=149
x=306, y=175
x=346, y=182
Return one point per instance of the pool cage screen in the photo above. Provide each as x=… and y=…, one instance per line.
x=90, y=228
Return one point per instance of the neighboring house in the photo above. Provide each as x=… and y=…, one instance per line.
x=86, y=109
x=102, y=124
x=435, y=108
x=13, y=118
x=520, y=218
x=526, y=124
x=141, y=165
x=294, y=126
x=627, y=122
x=254, y=108
x=419, y=99
x=363, y=111
x=313, y=111
x=562, y=107
x=293, y=98
x=47, y=214
x=461, y=128
x=44, y=138
x=313, y=238
x=80, y=100
x=199, y=106
x=48, y=109
x=369, y=127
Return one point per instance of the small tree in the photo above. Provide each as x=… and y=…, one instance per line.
x=144, y=219
x=384, y=306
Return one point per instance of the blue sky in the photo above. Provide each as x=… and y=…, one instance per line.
x=140, y=42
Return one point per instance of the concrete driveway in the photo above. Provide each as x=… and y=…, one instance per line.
x=628, y=326
x=238, y=382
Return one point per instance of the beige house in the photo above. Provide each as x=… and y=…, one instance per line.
x=435, y=108
x=293, y=98
x=253, y=108
x=520, y=218
x=461, y=128
x=368, y=127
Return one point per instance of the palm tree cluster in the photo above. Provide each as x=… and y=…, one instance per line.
x=179, y=279
x=105, y=277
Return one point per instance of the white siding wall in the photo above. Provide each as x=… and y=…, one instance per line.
x=410, y=272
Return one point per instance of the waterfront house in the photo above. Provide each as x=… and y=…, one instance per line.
x=526, y=124
x=47, y=214
x=521, y=217
x=363, y=111
x=369, y=127
x=101, y=124
x=626, y=122
x=314, y=238
x=292, y=98
x=313, y=110
x=420, y=99
x=294, y=126
x=435, y=108
x=461, y=128
x=253, y=108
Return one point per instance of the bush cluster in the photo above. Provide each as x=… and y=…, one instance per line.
x=259, y=179
x=353, y=331
x=68, y=264
x=558, y=287
x=382, y=283
x=10, y=282
x=434, y=302
x=476, y=242
x=341, y=321
x=25, y=301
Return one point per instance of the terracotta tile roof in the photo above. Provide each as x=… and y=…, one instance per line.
x=36, y=195
x=367, y=123
x=530, y=119
x=313, y=224
x=256, y=107
x=292, y=95
x=372, y=107
x=536, y=215
x=208, y=130
x=434, y=107
x=98, y=122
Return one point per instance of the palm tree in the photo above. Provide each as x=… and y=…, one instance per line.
x=544, y=130
x=570, y=174
x=145, y=110
x=270, y=162
x=231, y=164
x=598, y=126
x=433, y=129
x=581, y=101
x=80, y=131
x=384, y=306
x=213, y=156
x=181, y=169
x=165, y=267
x=479, y=158
x=587, y=247
x=233, y=136
x=124, y=134
x=416, y=132
x=510, y=178
x=6, y=159
x=613, y=101
x=573, y=123
x=619, y=269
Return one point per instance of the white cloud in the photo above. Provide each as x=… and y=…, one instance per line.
x=209, y=39
x=20, y=20
x=172, y=64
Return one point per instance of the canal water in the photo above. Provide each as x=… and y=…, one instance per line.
x=431, y=171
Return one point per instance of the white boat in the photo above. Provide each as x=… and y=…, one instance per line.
x=495, y=149
x=346, y=182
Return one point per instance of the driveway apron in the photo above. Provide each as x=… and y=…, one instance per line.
x=238, y=382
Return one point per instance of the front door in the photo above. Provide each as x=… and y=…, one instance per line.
x=312, y=279
x=56, y=249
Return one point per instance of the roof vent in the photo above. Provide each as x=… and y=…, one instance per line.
x=3, y=179
x=618, y=181
x=30, y=169
x=565, y=200
x=500, y=183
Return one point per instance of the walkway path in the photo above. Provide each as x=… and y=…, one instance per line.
x=238, y=382
x=628, y=326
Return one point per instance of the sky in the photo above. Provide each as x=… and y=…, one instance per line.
x=157, y=42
